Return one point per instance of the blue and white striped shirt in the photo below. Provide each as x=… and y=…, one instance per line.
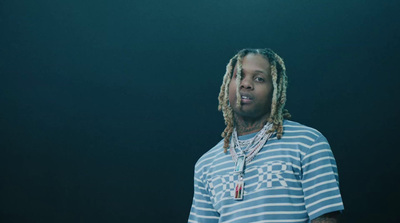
x=293, y=179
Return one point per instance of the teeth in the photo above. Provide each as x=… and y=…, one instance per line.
x=245, y=97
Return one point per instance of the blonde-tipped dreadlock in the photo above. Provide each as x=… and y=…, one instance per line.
x=279, y=82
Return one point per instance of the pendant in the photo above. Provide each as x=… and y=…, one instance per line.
x=239, y=167
x=239, y=189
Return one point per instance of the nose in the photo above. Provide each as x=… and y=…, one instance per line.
x=246, y=83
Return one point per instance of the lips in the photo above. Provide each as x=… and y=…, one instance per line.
x=246, y=98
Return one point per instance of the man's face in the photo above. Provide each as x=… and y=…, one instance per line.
x=255, y=88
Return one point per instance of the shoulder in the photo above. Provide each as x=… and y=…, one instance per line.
x=302, y=132
x=208, y=158
x=304, y=136
x=314, y=147
x=291, y=128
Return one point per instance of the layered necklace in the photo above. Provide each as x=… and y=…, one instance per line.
x=242, y=157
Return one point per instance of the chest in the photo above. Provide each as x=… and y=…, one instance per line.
x=271, y=172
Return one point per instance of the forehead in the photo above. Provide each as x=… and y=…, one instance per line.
x=255, y=62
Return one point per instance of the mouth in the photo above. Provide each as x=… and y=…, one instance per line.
x=246, y=98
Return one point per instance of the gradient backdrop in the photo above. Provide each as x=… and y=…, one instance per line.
x=107, y=105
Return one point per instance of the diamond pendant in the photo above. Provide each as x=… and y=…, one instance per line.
x=239, y=189
x=239, y=167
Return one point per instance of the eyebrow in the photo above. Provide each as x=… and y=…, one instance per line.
x=259, y=71
x=256, y=72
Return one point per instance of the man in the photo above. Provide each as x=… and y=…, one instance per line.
x=276, y=170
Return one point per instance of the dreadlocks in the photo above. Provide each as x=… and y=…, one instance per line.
x=279, y=83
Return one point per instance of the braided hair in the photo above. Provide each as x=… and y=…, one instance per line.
x=279, y=83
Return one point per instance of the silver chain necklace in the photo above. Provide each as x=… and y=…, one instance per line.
x=253, y=147
x=242, y=159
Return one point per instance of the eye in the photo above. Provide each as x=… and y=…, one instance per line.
x=259, y=79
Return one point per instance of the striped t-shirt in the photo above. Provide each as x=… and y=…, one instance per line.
x=292, y=179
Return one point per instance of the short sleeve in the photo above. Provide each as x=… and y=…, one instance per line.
x=202, y=209
x=320, y=180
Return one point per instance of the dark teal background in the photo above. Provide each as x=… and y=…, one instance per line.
x=107, y=105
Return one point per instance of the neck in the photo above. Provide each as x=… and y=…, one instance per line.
x=246, y=126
